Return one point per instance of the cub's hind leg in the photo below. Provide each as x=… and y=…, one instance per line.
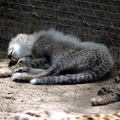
x=73, y=62
x=85, y=66
x=77, y=67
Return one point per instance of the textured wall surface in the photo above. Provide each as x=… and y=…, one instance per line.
x=91, y=20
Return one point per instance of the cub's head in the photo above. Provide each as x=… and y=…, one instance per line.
x=19, y=47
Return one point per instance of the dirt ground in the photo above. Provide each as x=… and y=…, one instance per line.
x=17, y=97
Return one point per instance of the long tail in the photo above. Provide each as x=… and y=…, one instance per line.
x=95, y=74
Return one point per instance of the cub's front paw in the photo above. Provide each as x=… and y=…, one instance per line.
x=22, y=69
x=21, y=77
x=23, y=61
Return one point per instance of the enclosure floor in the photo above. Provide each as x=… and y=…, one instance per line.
x=17, y=97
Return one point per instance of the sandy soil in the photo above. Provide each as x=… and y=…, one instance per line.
x=16, y=97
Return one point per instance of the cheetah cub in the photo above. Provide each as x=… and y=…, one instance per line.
x=51, y=57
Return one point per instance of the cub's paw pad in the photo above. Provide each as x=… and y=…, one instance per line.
x=21, y=69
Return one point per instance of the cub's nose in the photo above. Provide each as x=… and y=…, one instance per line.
x=9, y=56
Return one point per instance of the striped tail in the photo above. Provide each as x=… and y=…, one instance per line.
x=95, y=74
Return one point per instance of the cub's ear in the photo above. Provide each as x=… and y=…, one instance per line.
x=18, y=38
x=22, y=37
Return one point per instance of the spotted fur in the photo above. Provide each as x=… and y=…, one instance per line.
x=59, y=59
x=108, y=94
x=50, y=115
